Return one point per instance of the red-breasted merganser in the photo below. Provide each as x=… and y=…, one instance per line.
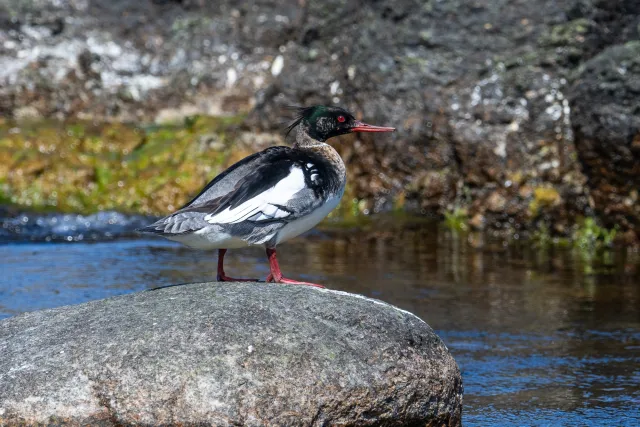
x=271, y=196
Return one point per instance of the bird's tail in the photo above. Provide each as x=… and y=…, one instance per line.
x=154, y=228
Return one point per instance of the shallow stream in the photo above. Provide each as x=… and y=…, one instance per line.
x=543, y=336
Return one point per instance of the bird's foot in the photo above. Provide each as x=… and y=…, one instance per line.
x=225, y=278
x=270, y=279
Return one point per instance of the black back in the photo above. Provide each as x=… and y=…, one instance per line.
x=275, y=164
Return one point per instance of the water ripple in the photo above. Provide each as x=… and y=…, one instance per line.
x=70, y=227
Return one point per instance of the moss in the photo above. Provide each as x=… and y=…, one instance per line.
x=544, y=237
x=516, y=178
x=541, y=236
x=566, y=34
x=592, y=244
x=543, y=197
x=589, y=235
x=399, y=202
x=457, y=219
x=82, y=167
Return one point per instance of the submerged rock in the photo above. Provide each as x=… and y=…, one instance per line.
x=227, y=354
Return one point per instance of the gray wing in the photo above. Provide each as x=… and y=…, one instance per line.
x=263, y=227
x=260, y=228
x=177, y=223
x=262, y=202
x=189, y=218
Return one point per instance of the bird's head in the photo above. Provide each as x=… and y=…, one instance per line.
x=321, y=123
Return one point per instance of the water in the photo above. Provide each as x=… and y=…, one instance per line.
x=20, y=227
x=542, y=336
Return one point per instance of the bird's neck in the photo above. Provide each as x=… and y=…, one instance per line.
x=304, y=140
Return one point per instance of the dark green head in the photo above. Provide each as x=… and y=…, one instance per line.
x=321, y=123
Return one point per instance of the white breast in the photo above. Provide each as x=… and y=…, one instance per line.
x=307, y=222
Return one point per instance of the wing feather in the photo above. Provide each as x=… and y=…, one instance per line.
x=265, y=206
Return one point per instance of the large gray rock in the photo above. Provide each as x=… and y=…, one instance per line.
x=227, y=354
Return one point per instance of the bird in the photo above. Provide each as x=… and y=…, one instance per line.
x=270, y=196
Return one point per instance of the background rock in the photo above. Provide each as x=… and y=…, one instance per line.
x=227, y=354
x=478, y=90
x=606, y=99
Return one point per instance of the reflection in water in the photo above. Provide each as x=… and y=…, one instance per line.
x=541, y=336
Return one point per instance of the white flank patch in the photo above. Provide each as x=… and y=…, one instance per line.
x=262, y=205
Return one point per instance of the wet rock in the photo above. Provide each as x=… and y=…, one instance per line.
x=496, y=202
x=26, y=114
x=436, y=186
x=477, y=222
x=606, y=104
x=227, y=354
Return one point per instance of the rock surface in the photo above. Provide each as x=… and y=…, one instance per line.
x=227, y=354
x=478, y=90
x=606, y=99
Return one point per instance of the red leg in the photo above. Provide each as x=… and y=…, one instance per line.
x=223, y=277
x=276, y=274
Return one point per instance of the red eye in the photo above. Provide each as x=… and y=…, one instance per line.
x=341, y=119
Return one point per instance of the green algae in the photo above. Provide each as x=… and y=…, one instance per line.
x=543, y=197
x=590, y=242
x=457, y=219
x=83, y=167
x=589, y=235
